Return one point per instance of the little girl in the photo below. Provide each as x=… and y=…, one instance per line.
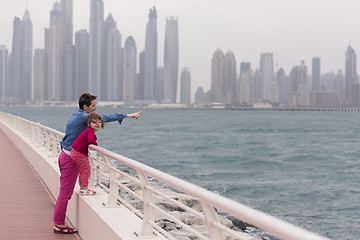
x=79, y=151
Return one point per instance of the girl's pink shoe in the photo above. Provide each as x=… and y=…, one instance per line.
x=64, y=230
x=87, y=192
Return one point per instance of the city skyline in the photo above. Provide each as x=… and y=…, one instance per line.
x=292, y=31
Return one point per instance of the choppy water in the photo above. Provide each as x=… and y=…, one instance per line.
x=299, y=166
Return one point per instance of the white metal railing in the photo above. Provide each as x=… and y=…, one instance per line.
x=163, y=202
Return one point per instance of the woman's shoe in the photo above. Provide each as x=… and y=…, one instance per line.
x=87, y=192
x=64, y=230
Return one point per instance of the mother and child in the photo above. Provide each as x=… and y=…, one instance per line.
x=79, y=133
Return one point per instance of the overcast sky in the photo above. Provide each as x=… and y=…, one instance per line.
x=293, y=30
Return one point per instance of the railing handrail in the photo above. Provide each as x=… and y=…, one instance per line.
x=207, y=199
x=254, y=217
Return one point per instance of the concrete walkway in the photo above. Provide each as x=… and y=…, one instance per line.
x=26, y=206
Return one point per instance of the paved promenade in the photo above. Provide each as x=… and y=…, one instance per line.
x=26, y=207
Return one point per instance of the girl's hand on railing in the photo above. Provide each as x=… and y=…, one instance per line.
x=135, y=115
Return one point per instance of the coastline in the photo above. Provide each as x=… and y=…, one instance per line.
x=261, y=107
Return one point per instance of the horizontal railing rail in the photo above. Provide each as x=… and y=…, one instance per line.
x=166, y=204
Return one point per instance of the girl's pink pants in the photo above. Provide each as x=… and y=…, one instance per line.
x=83, y=165
x=69, y=173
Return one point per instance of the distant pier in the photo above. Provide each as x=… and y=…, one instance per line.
x=300, y=109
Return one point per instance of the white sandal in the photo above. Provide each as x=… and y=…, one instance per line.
x=87, y=192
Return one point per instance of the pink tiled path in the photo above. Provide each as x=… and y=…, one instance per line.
x=26, y=207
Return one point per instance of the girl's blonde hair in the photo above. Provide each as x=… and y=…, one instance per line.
x=92, y=117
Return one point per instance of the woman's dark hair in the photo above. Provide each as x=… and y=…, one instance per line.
x=85, y=99
x=93, y=117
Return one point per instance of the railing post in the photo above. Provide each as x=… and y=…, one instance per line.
x=35, y=133
x=210, y=217
x=149, y=213
x=93, y=173
x=113, y=188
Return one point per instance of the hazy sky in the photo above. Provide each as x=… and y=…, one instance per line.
x=293, y=30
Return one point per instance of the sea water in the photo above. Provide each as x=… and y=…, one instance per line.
x=300, y=166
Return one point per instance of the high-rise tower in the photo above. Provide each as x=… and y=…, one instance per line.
x=39, y=75
x=3, y=70
x=112, y=86
x=140, y=81
x=20, y=88
x=244, y=83
x=283, y=87
x=217, y=74
x=299, y=94
x=316, y=74
x=267, y=73
x=129, y=70
x=59, y=54
x=150, y=61
x=67, y=21
x=350, y=71
x=54, y=39
x=171, y=60
x=68, y=52
x=96, y=47
x=81, y=62
x=185, y=86
x=229, y=78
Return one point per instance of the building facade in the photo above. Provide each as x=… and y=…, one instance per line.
x=299, y=89
x=185, y=86
x=19, y=86
x=150, y=57
x=129, y=67
x=315, y=74
x=81, y=62
x=267, y=74
x=171, y=60
x=4, y=56
x=55, y=53
x=39, y=75
x=217, y=73
x=96, y=48
x=351, y=76
x=229, y=79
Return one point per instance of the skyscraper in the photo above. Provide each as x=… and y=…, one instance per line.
x=55, y=55
x=315, y=74
x=159, y=85
x=81, y=62
x=3, y=70
x=20, y=88
x=256, y=87
x=150, y=61
x=350, y=71
x=245, y=68
x=229, y=79
x=267, y=72
x=185, y=86
x=171, y=60
x=67, y=64
x=96, y=47
x=283, y=87
x=199, y=96
x=67, y=84
x=39, y=75
x=67, y=21
x=140, y=80
x=129, y=73
x=112, y=86
x=217, y=73
x=299, y=93
x=244, y=83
